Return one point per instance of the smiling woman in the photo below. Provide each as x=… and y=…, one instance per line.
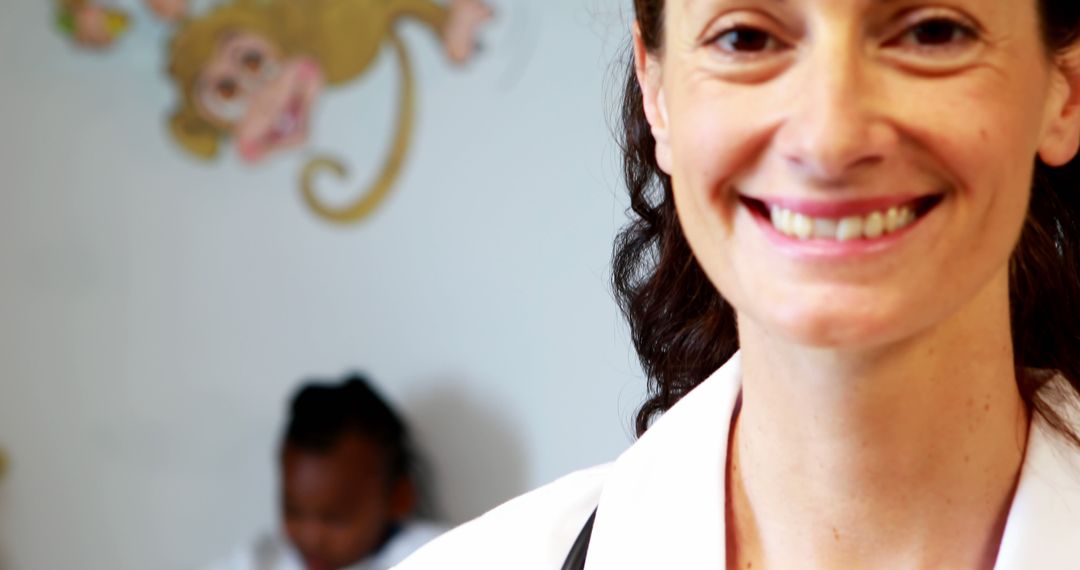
x=852, y=278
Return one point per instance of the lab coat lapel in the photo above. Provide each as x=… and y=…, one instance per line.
x=663, y=503
x=1043, y=527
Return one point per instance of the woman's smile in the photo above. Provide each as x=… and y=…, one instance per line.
x=831, y=229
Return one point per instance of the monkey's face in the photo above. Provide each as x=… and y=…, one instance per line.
x=265, y=100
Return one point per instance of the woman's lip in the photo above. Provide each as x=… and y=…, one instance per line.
x=837, y=209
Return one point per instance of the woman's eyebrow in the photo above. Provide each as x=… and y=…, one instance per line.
x=689, y=4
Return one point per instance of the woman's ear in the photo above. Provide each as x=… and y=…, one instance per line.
x=649, y=78
x=1061, y=135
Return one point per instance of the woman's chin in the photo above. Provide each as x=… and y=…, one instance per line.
x=848, y=328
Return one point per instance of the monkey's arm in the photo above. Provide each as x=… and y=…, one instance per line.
x=430, y=13
x=456, y=23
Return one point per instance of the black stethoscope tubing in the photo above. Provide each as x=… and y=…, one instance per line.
x=575, y=559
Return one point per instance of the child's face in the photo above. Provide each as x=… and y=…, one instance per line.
x=337, y=505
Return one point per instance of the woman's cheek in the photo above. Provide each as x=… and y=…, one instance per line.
x=982, y=130
x=709, y=154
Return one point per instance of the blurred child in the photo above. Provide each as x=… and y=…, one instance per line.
x=348, y=490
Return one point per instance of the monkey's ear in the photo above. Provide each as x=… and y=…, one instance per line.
x=195, y=134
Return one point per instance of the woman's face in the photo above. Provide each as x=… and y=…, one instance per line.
x=849, y=172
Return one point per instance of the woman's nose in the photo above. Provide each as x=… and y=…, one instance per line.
x=837, y=123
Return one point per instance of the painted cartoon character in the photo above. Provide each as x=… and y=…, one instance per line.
x=253, y=71
x=97, y=26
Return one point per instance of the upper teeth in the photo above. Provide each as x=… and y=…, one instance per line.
x=870, y=226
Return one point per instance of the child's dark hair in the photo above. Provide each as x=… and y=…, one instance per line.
x=322, y=413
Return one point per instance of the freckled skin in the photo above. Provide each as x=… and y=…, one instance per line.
x=337, y=505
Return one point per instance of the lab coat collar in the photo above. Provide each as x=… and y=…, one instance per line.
x=1043, y=528
x=662, y=505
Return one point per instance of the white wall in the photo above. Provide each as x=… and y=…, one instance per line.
x=156, y=312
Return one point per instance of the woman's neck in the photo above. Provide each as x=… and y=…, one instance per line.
x=897, y=457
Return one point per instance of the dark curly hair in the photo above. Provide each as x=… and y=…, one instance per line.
x=683, y=329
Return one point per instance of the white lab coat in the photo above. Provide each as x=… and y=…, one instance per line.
x=272, y=551
x=661, y=503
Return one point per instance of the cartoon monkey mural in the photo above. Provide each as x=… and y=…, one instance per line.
x=253, y=70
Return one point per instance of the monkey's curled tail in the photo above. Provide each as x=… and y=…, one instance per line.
x=373, y=196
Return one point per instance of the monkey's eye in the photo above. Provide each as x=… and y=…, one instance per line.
x=252, y=61
x=224, y=98
x=227, y=89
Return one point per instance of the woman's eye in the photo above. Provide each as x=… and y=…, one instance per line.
x=746, y=40
x=938, y=33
